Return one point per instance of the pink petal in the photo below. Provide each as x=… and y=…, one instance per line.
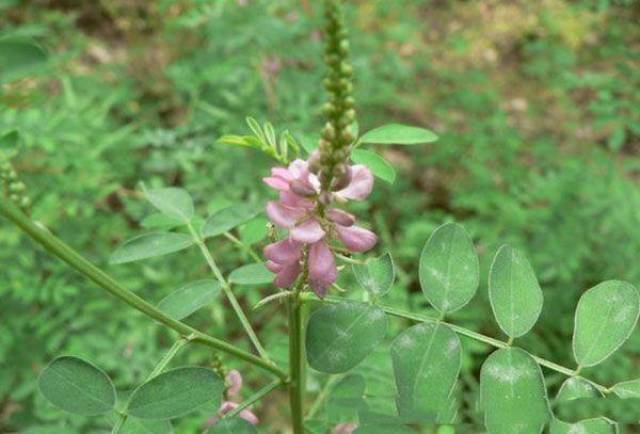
x=356, y=239
x=345, y=428
x=299, y=169
x=322, y=268
x=282, y=215
x=288, y=275
x=274, y=267
x=283, y=252
x=226, y=407
x=290, y=199
x=249, y=416
x=307, y=232
x=277, y=183
x=281, y=172
x=341, y=217
x=234, y=379
x=361, y=184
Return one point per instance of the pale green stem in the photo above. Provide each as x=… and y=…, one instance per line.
x=226, y=288
x=296, y=359
x=322, y=396
x=243, y=246
x=400, y=313
x=63, y=251
x=254, y=398
x=122, y=417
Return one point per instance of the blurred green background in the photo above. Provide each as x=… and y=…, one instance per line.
x=537, y=104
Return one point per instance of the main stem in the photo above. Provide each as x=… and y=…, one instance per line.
x=63, y=251
x=296, y=360
x=226, y=288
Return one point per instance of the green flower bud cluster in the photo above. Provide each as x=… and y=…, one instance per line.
x=12, y=187
x=337, y=136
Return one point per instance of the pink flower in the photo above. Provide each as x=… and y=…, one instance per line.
x=234, y=384
x=310, y=229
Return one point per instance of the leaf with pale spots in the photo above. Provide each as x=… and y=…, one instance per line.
x=605, y=318
x=449, y=269
x=426, y=363
x=341, y=336
x=512, y=393
x=376, y=275
x=514, y=292
x=149, y=246
x=576, y=388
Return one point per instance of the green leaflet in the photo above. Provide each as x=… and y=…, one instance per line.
x=340, y=336
x=175, y=203
x=186, y=300
x=146, y=426
x=575, y=388
x=512, y=393
x=228, y=218
x=19, y=57
x=251, y=274
x=426, y=363
x=77, y=386
x=449, y=269
x=149, y=246
x=605, y=318
x=399, y=135
x=627, y=389
x=175, y=393
x=377, y=164
x=376, y=275
x=235, y=425
x=346, y=399
x=514, y=292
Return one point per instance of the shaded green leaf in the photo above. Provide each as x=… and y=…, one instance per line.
x=377, y=164
x=575, y=388
x=627, y=389
x=613, y=408
x=605, y=318
x=449, y=269
x=227, y=219
x=254, y=231
x=146, y=426
x=399, y=135
x=186, y=300
x=19, y=57
x=150, y=245
x=160, y=221
x=346, y=399
x=234, y=425
x=175, y=203
x=341, y=336
x=514, y=292
x=175, y=393
x=376, y=275
x=77, y=386
x=512, y=393
x=251, y=274
x=384, y=429
x=426, y=363
x=9, y=141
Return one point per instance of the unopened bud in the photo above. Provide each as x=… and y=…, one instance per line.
x=314, y=162
x=342, y=177
x=325, y=197
x=302, y=188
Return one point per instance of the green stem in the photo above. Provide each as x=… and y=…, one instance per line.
x=63, y=251
x=156, y=371
x=226, y=288
x=296, y=360
x=400, y=313
x=254, y=398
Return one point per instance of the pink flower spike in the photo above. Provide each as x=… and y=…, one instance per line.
x=322, y=268
x=288, y=275
x=289, y=198
x=360, y=186
x=307, y=232
x=282, y=215
x=283, y=252
x=341, y=217
x=277, y=183
x=356, y=239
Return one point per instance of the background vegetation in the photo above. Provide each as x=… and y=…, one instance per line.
x=537, y=105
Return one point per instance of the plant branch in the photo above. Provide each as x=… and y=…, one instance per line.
x=63, y=251
x=400, y=313
x=226, y=288
x=254, y=398
x=296, y=357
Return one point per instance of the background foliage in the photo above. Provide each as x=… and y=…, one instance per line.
x=537, y=105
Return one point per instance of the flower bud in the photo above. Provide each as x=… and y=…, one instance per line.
x=342, y=174
x=301, y=188
x=325, y=198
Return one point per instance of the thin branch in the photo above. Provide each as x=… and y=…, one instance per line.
x=400, y=313
x=226, y=288
x=243, y=246
x=254, y=398
x=63, y=251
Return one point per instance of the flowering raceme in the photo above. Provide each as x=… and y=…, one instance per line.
x=305, y=211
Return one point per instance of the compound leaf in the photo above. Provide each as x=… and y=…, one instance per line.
x=149, y=246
